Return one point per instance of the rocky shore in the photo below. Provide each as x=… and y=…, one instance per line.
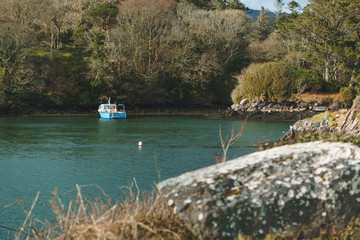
x=345, y=122
x=254, y=110
x=263, y=110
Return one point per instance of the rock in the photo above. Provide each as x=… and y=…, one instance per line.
x=320, y=108
x=244, y=102
x=255, y=103
x=252, y=109
x=304, y=105
x=351, y=121
x=350, y=126
x=334, y=106
x=235, y=107
x=284, y=188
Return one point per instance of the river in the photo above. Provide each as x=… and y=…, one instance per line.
x=44, y=153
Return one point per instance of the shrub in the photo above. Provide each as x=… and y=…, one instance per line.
x=273, y=81
x=347, y=95
x=306, y=79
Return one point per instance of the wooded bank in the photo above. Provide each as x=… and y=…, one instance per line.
x=174, y=52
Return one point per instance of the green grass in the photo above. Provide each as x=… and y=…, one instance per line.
x=45, y=52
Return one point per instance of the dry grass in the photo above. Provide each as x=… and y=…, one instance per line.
x=318, y=97
x=149, y=218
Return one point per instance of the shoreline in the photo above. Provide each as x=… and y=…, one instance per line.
x=259, y=115
x=209, y=112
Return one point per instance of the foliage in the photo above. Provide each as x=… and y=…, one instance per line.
x=294, y=7
x=103, y=15
x=79, y=38
x=14, y=76
x=306, y=80
x=173, y=52
x=331, y=32
x=347, y=95
x=263, y=24
x=164, y=53
x=217, y=4
x=275, y=81
x=271, y=81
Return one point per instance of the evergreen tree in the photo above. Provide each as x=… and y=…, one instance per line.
x=104, y=15
x=279, y=4
x=263, y=24
x=294, y=7
x=331, y=29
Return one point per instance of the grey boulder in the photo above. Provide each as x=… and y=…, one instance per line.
x=278, y=189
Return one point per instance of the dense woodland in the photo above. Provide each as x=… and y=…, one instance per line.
x=166, y=52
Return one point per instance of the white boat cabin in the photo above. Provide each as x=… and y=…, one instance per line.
x=111, y=108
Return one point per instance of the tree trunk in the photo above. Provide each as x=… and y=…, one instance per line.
x=58, y=38
x=149, y=60
x=326, y=72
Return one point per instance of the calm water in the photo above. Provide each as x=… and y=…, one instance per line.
x=42, y=153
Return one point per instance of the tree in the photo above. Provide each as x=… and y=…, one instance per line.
x=24, y=12
x=139, y=46
x=351, y=10
x=163, y=52
x=216, y=4
x=232, y=4
x=279, y=4
x=58, y=12
x=294, y=7
x=14, y=38
x=219, y=43
x=103, y=15
x=263, y=24
x=331, y=36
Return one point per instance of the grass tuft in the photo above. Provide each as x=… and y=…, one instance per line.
x=149, y=218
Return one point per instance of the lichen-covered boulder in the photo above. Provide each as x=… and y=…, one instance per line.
x=282, y=188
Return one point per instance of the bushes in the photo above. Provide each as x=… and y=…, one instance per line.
x=274, y=81
x=347, y=95
x=269, y=81
x=306, y=79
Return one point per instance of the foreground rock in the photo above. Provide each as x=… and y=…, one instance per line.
x=285, y=188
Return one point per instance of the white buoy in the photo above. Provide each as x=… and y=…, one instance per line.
x=140, y=143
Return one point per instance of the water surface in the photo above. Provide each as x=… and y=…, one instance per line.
x=42, y=153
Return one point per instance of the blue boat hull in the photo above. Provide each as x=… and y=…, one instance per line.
x=112, y=115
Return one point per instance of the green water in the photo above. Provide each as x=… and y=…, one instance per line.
x=42, y=153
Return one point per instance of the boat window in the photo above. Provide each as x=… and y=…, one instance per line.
x=109, y=107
